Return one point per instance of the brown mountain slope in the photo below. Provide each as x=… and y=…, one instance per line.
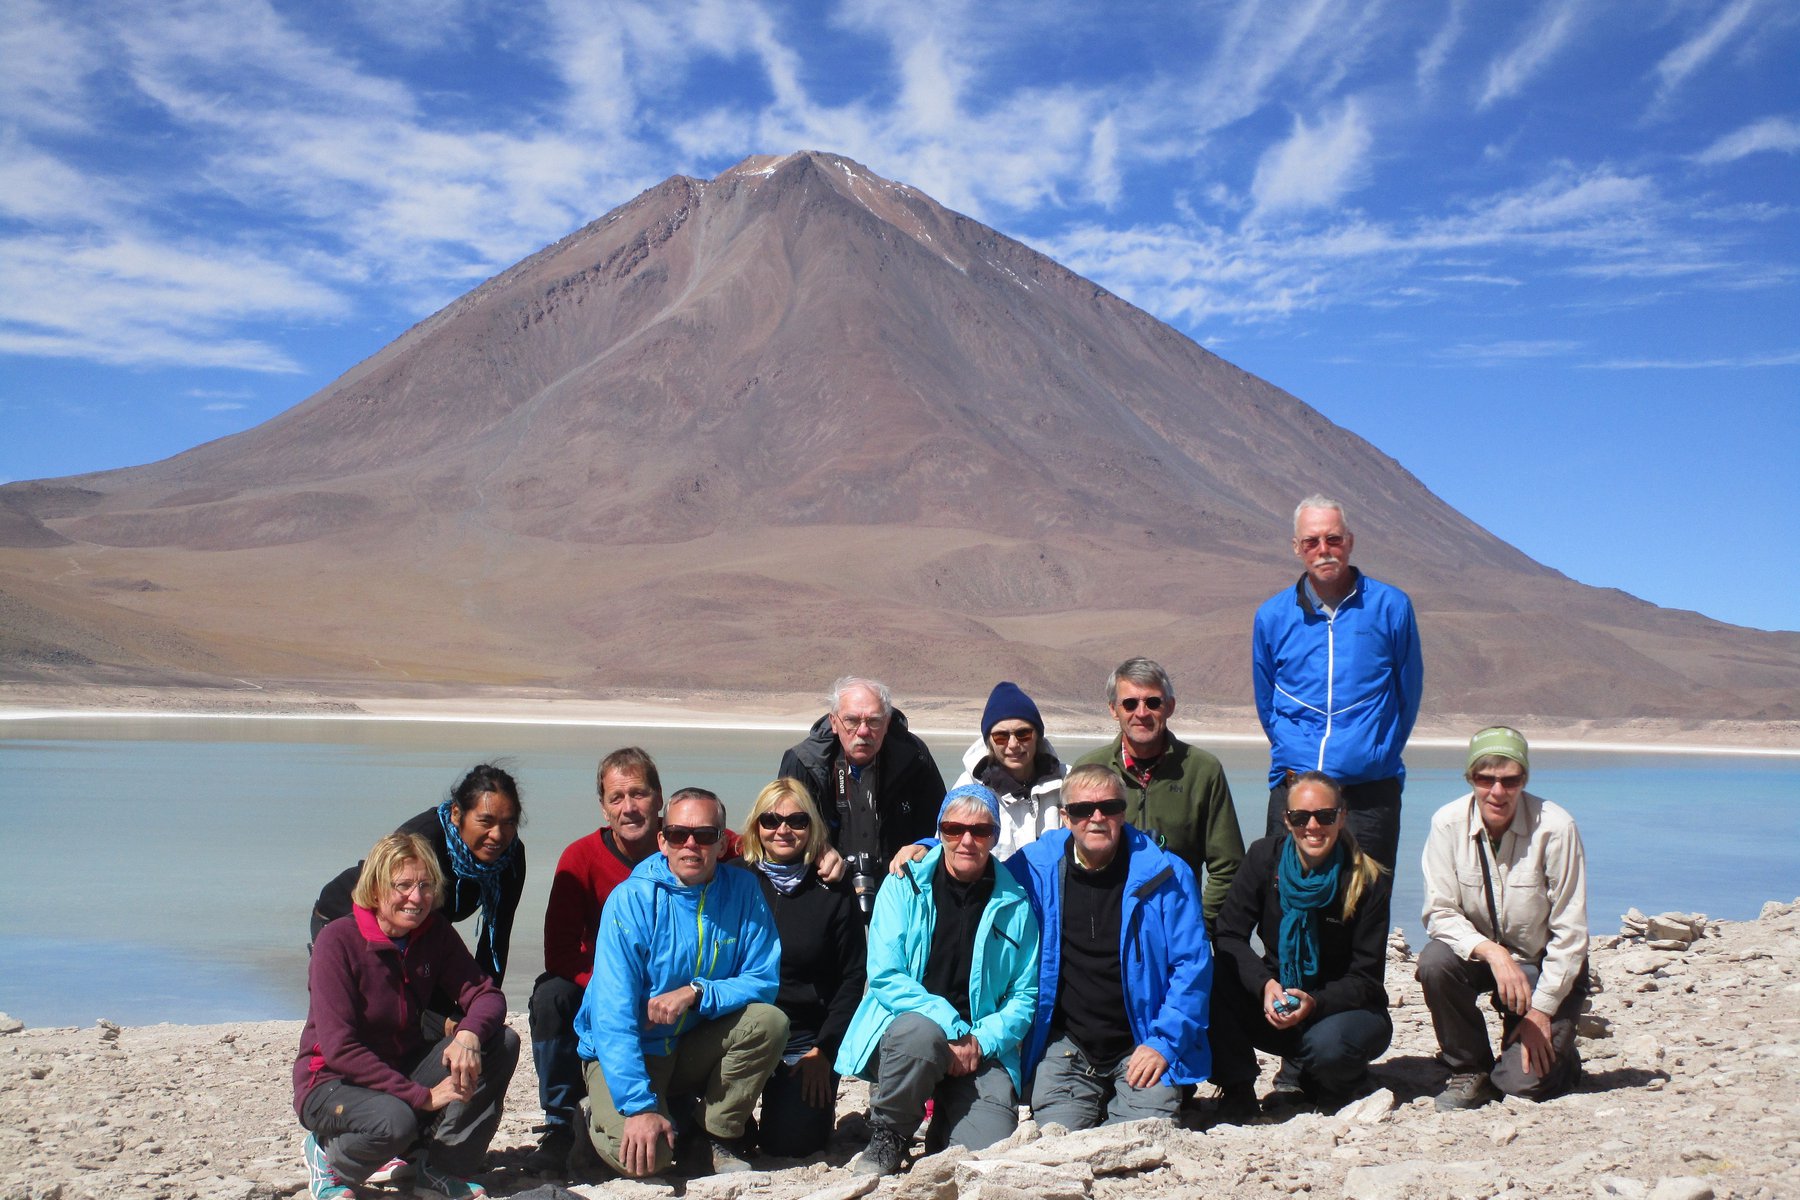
x=750, y=431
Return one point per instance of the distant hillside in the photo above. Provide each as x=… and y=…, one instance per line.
x=750, y=431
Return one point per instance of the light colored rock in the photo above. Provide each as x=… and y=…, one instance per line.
x=1681, y=1187
x=933, y=1177
x=1619, y=1187
x=1069, y=1181
x=847, y=1189
x=1503, y=1134
x=1392, y=1181
x=9, y=1024
x=1109, y=1150
x=728, y=1187
x=1372, y=1109
x=1642, y=962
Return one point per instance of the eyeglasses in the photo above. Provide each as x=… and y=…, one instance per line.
x=1332, y=541
x=1130, y=703
x=1505, y=783
x=422, y=887
x=794, y=820
x=678, y=835
x=1002, y=736
x=1083, y=810
x=1297, y=817
x=953, y=831
x=869, y=723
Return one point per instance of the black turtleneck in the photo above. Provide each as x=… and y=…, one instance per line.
x=1090, y=997
x=959, y=907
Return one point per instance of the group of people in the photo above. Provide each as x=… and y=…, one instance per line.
x=1091, y=939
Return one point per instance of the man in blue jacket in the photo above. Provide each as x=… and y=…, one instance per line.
x=681, y=1002
x=1122, y=934
x=1338, y=673
x=953, y=970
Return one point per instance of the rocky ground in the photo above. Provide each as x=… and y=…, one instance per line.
x=1692, y=1053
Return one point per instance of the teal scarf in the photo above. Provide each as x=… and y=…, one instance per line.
x=1304, y=894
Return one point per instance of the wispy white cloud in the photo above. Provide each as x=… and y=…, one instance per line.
x=222, y=406
x=48, y=58
x=1779, y=135
x=1502, y=351
x=1550, y=32
x=1436, y=52
x=130, y=301
x=1788, y=358
x=1316, y=165
x=1681, y=62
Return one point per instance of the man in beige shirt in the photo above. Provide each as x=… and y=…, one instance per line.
x=1506, y=912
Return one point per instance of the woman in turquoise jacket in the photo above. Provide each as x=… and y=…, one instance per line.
x=953, y=977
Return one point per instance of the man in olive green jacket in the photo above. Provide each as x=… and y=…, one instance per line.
x=1177, y=792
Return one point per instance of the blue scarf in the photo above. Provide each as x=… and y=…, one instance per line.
x=1303, y=895
x=787, y=877
x=486, y=876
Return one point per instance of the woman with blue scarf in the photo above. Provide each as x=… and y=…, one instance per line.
x=823, y=949
x=476, y=836
x=1315, y=996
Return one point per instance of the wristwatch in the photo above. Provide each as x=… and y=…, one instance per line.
x=699, y=986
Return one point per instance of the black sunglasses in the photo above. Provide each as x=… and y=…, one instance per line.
x=1081, y=810
x=678, y=835
x=795, y=820
x=951, y=831
x=1297, y=817
x=1130, y=703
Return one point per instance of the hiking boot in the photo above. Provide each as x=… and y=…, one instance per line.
x=1467, y=1091
x=884, y=1153
x=1237, y=1104
x=1287, y=1088
x=552, y=1154
x=727, y=1155
x=322, y=1180
x=432, y=1182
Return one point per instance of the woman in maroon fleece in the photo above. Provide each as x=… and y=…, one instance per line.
x=367, y=1085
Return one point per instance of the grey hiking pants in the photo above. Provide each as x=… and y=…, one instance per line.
x=360, y=1129
x=913, y=1065
x=1071, y=1092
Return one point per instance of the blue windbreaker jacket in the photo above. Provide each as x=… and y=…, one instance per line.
x=1002, y=979
x=1338, y=694
x=1165, y=960
x=657, y=934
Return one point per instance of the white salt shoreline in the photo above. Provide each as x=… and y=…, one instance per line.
x=399, y=714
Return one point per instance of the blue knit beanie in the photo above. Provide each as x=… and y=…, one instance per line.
x=1008, y=702
x=971, y=791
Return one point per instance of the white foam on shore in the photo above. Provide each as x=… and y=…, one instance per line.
x=740, y=724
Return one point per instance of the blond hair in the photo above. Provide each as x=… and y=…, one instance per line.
x=383, y=863
x=753, y=850
x=1363, y=870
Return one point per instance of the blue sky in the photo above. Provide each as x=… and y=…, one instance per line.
x=1544, y=254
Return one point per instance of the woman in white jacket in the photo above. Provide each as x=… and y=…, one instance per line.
x=1015, y=760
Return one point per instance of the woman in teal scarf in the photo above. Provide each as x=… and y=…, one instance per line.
x=1316, y=995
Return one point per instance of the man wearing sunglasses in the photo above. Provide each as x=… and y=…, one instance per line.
x=1337, y=670
x=1125, y=972
x=631, y=801
x=1175, y=793
x=953, y=979
x=1506, y=912
x=679, y=1012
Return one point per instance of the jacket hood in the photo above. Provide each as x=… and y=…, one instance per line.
x=1149, y=862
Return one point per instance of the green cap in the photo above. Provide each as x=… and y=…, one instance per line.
x=1498, y=739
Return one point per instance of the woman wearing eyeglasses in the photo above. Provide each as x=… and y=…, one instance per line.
x=1016, y=762
x=474, y=835
x=822, y=971
x=1315, y=996
x=368, y=1085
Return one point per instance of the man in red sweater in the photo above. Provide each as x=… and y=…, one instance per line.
x=590, y=868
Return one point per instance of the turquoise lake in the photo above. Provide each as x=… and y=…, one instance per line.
x=163, y=869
